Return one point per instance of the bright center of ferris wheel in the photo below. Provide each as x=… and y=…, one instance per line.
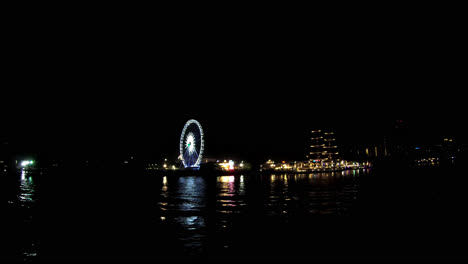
x=190, y=143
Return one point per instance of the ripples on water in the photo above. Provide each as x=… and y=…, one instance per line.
x=97, y=214
x=274, y=215
x=204, y=215
x=20, y=214
x=238, y=200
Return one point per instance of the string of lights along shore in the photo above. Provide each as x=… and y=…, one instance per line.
x=321, y=149
x=323, y=155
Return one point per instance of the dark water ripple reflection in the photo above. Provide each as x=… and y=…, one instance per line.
x=182, y=201
x=20, y=215
x=99, y=214
x=209, y=211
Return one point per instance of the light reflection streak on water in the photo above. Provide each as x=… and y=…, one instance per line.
x=164, y=192
x=191, y=191
x=315, y=193
x=26, y=200
x=230, y=194
x=241, y=186
x=27, y=189
x=183, y=202
x=227, y=185
x=279, y=197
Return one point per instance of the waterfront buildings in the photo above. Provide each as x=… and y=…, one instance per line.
x=323, y=150
x=208, y=163
x=323, y=156
x=306, y=166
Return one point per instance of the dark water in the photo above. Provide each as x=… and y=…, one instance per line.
x=128, y=215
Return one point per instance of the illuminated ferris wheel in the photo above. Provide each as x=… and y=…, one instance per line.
x=191, y=144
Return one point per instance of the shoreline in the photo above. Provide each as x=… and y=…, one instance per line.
x=240, y=172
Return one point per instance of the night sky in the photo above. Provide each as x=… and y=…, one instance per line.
x=257, y=93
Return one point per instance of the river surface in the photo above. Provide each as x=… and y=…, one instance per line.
x=115, y=215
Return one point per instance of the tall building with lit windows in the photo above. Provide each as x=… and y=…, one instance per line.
x=330, y=150
x=316, y=147
x=323, y=149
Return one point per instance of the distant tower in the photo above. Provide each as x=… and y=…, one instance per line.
x=316, y=148
x=330, y=150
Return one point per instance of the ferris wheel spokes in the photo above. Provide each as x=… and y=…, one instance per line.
x=191, y=156
x=191, y=144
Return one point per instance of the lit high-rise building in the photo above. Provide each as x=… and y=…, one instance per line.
x=330, y=150
x=316, y=147
x=323, y=149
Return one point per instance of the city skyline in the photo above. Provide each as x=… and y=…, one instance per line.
x=245, y=140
